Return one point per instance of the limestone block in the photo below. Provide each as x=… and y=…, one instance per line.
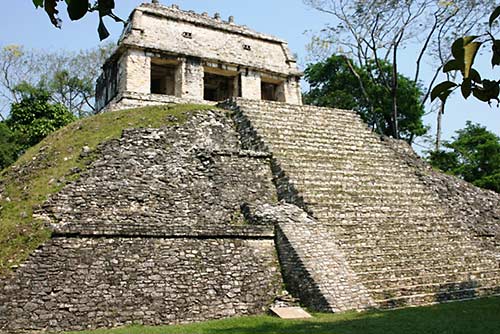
x=293, y=94
x=250, y=85
x=192, y=80
x=136, y=67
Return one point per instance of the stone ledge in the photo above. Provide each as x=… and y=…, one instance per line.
x=167, y=231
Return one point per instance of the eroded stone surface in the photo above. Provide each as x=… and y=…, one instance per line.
x=194, y=47
x=410, y=237
x=152, y=233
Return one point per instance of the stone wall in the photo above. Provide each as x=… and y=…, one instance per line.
x=210, y=39
x=80, y=283
x=152, y=233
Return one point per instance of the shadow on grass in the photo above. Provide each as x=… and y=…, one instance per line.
x=481, y=317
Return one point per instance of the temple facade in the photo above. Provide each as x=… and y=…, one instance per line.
x=167, y=55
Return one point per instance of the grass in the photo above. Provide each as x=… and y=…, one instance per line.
x=47, y=167
x=480, y=316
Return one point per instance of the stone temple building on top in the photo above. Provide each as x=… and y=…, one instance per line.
x=166, y=54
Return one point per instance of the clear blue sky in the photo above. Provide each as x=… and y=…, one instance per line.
x=288, y=19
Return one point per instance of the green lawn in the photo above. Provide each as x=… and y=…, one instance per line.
x=471, y=317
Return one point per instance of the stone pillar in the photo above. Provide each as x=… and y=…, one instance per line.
x=135, y=72
x=179, y=71
x=192, y=79
x=250, y=85
x=292, y=91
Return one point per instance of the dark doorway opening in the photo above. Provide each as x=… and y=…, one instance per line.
x=163, y=78
x=269, y=91
x=218, y=87
x=272, y=89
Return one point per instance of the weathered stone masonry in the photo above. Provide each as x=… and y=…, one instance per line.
x=166, y=53
x=182, y=224
x=391, y=226
x=189, y=205
x=152, y=233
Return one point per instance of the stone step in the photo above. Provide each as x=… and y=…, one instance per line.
x=364, y=219
x=370, y=202
x=351, y=182
x=436, y=241
x=353, y=249
x=336, y=149
x=407, y=266
x=298, y=114
x=408, y=235
x=359, y=191
x=405, y=275
x=432, y=298
x=351, y=140
x=435, y=288
x=352, y=165
x=292, y=137
x=325, y=167
x=397, y=283
x=318, y=121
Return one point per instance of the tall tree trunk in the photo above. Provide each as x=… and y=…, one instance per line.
x=438, y=127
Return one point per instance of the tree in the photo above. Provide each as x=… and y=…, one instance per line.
x=464, y=51
x=376, y=31
x=337, y=82
x=35, y=117
x=16, y=65
x=77, y=9
x=68, y=76
x=473, y=155
x=9, y=148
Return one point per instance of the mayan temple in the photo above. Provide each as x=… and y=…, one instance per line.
x=210, y=218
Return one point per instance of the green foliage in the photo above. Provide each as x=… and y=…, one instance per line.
x=77, y=9
x=9, y=147
x=34, y=117
x=474, y=155
x=480, y=316
x=338, y=83
x=464, y=51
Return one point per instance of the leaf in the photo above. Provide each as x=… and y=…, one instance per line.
x=457, y=48
x=444, y=95
x=474, y=75
x=77, y=9
x=105, y=7
x=481, y=95
x=51, y=9
x=469, y=56
x=466, y=87
x=453, y=65
x=103, y=32
x=38, y=3
x=494, y=16
x=441, y=88
x=489, y=91
x=495, y=58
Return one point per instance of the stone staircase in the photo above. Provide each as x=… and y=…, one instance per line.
x=404, y=246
